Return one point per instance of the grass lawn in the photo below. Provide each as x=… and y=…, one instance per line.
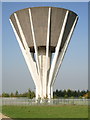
x=61, y=111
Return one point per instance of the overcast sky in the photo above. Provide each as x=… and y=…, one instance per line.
x=73, y=73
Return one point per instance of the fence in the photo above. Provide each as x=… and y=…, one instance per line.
x=26, y=101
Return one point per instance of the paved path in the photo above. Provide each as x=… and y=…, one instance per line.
x=3, y=116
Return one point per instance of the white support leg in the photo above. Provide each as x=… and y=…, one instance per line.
x=27, y=55
x=21, y=32
x=63, y=51
x=34, y=41
x=52, y=91
x=32, y=66
x=47, y=50
x=56, y=53
x=36, y=53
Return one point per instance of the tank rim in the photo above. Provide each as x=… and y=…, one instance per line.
x=44, y=7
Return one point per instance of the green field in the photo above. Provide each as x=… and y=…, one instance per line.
x=61, y=111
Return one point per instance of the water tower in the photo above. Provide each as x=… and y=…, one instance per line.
x=43, y=34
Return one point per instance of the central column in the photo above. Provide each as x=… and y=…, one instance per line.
x=43, y=70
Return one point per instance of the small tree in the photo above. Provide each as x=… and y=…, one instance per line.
x=11, y=95
x=16, y=93
x=32, y=95
x=29, y=93
x=69, y=93
x=5, y=94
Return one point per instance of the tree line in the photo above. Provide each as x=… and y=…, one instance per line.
x=29, y=94
x=71, y=94
x=56, y=94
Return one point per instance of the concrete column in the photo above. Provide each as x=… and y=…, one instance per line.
x=43, y=70
x=49, y=92
x=52, y=91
